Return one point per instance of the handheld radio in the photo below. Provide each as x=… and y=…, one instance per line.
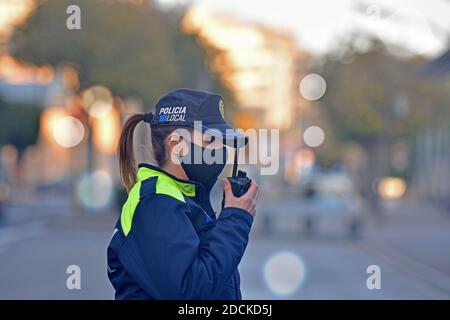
x=238, y=180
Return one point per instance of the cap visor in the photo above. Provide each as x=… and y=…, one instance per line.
x=230, y=136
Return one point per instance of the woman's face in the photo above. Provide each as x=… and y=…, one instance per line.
x=179, y=141
x=206, y=141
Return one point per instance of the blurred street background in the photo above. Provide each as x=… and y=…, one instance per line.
x=360, y=93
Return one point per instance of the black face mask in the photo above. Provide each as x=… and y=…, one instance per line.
x=201, y=171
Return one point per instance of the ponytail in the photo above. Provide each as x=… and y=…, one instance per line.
x=125, y=152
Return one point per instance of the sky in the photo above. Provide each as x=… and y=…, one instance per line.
x=10, y=10
x=420, y=26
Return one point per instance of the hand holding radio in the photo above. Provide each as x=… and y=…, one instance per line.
x=247, y=201
x=239, y=191
x=239, y=183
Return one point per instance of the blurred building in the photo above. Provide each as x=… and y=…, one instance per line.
x=25, y=83
x=258, y=64
x=41, y=87
x=432, y=146
x=78, y=134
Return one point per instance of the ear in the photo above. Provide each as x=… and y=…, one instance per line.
x=176, y=144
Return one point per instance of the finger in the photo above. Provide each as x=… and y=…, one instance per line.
x=251, y=192
x=258, y=193
x=227, y=188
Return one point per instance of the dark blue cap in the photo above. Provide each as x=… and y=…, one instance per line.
x=187, y=107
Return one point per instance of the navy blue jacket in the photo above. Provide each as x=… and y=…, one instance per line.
x=168, y=244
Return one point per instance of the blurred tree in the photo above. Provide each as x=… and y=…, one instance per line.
x=19, y=124
x=133, y=49
x=375, y=99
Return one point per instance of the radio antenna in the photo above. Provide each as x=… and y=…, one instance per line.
x=235, y=164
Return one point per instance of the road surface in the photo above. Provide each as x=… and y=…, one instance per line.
x=410, y=246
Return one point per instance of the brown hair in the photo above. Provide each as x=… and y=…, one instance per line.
x=125, y=152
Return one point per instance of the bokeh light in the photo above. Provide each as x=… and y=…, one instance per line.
x=106, y=132
x=95, y=189
x=100, y=109
x=284, y=272
x=68, y=132
x=313, y=87
x=98, y=101
x=313, y=136
x=391, y=188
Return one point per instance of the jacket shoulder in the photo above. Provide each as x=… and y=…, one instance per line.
x=157, y=186
x=155, y=193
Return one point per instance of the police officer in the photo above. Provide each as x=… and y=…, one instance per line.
x=168, y=243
